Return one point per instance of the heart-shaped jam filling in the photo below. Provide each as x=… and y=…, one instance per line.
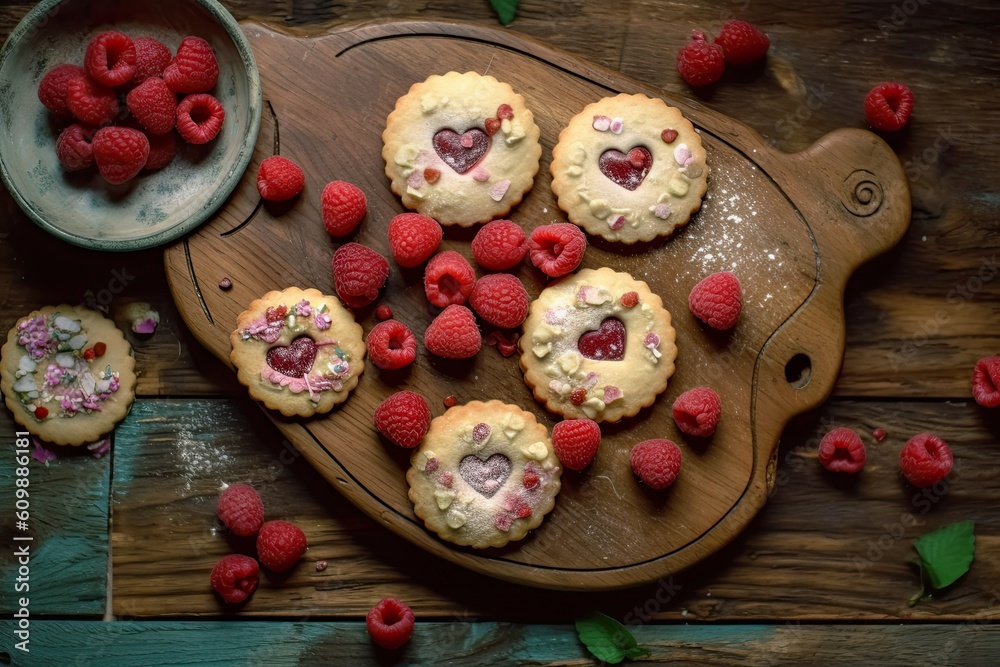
x=295, y=360
x=487, y=476
x=461, y=152
x=629, y=170
x=605, y=344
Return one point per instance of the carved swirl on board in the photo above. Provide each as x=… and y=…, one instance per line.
x=862, y=194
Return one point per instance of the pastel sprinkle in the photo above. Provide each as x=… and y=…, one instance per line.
x=662, y=211
x=616, y=223
x=612, y=393
x=480, y=175
x=602, y=123
x=467, y=140
x=682, y=155
x=617, y=125
x=498, y=190
x=668, y=136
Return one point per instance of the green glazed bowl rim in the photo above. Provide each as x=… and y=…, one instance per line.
x=255, y=104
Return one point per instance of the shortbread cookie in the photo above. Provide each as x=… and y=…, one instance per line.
x=629, y=168
x=68, y=375
x=298, y=351
x=461, y=148
x=484, y=475
x=597, y=344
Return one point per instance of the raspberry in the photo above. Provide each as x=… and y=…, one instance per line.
x=403, y=418
x=153, y=105
x=448, y=279
x=162, y=150
x=576, y=441
x=74, y=149
x=500, y=299
x=90, y=102
x=391, y=345
x=110, y=59
x=499, y=245
x=199, y=118
x=279, y=179
x=888, y=106
x=841, y=450
x=151, y=58
x=280, y=545
x=578, y=396
x=986, y=382
x=453, y=334
x=879, y=434
x=120, y=153
x=344, y=205
x=241, y=509
x=700, y=62
x=656, y=462
x=194, y=70
x=742, y=43
x=235, y=578
x=557, y=249
x=358, y=274
x=413, y=238
x=390, y=623
x=697, y=411
x=383, y=313
x=925, y=460
x=52, y=88
x=717, y=300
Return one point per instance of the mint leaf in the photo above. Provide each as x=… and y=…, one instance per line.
x=607, y=639
x=946, y=553
x=506, y=9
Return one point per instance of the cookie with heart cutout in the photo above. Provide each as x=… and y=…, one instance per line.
x=298, y=351
x=629, y=168
x=461, y=148
x=597, y=344
x=68, y=375
x=485, y=474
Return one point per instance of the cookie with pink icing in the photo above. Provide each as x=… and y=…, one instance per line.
x=629, y=168
x=597, y=344
x=461, y=148
x=484, y=475
x=298, y=351
x=68, y=375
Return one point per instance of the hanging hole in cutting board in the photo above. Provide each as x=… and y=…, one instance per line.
x=798, y=371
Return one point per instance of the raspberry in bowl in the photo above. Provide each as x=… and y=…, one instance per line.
x=114, y=60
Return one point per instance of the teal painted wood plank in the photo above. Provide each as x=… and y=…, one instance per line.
x=277, y=644
x=68, y=521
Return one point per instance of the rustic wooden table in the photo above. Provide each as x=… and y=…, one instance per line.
x=822, y=575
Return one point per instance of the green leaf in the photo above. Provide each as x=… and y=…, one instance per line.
x=946, y=553
x=506, y=9
x=607, y=639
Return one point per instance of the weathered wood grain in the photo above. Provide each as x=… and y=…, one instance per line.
x=823, y=548
x=68, y=524
x=124, y=644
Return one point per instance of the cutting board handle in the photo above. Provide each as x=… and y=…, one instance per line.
x=852, y=192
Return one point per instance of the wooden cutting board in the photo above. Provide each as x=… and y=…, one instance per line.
x=792, y=227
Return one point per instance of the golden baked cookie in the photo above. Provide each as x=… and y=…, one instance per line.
x=298, y=351
x=484, y=475
x=597, y=344
x=68, y=375
x=461, y=148
x=629, y=168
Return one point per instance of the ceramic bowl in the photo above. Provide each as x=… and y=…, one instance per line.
x=155, y=207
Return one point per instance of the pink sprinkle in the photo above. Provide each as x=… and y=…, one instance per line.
x=321, y=565
x=682, y=155
x=602, y=123
x=41, y=454
x=499, y=190
x=480, y=175
x=662, y=211
x=415, y=180
x=617, y=125
x=323, y=321
x=612, y=393
x=879, y=434
x=480, y=432
x=432, y=465
x=446, y=479
x=450, y=401
x=652, y=340
x=503, y=521
x=591, y=380
x=616, y=223
x=467, y=141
